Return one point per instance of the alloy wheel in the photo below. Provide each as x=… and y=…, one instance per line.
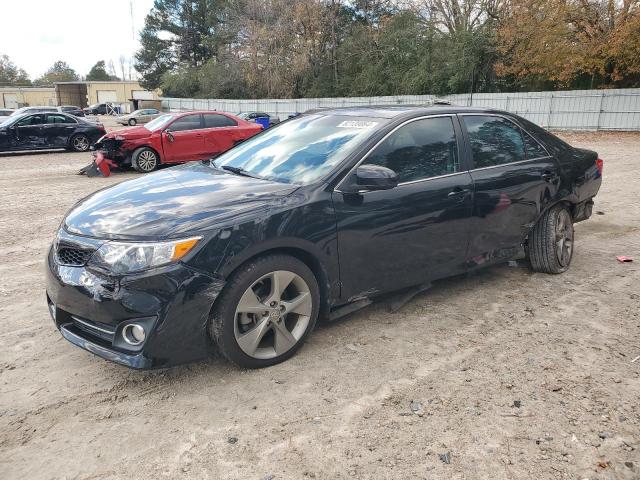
x=81, y=143
x=147, y=160
x=273, y=314
x=564, y=238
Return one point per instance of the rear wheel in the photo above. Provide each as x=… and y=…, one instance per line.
x=266, y=311
x=80, y=143
x=551, y=241
x=144, y=160
x=132, y=121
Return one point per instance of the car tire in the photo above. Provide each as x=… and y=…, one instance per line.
x=132, y=122
x=256, y=322
x=80, y=143
x=550, y=243
x=145, y=160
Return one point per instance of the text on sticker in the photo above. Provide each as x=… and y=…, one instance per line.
x=356, y=124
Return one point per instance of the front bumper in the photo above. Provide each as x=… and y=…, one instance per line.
x=90, y=309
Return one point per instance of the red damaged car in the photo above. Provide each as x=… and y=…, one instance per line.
x=170, y=138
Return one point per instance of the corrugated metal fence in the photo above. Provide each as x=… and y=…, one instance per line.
x=617, y=109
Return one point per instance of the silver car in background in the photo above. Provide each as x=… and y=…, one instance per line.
x=139, y=117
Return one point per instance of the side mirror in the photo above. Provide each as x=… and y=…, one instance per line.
x=169, y=135
x=375, y=177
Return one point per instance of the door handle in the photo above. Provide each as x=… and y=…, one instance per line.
x=548, y=176
x=458, y=192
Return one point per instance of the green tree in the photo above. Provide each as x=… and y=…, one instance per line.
x=99, y=72
x=184, y=33
x=59, y=72
x=10, y=74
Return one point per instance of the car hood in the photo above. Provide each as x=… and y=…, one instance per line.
x=129, y=133
x=191, y=198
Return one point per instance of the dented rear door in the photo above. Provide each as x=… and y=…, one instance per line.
x=514, y=181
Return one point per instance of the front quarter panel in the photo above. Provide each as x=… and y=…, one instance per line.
x=303, y=222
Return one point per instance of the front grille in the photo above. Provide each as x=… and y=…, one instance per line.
x=73, y=256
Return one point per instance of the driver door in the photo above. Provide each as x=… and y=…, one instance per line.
x=417, y=231
x=183, y=140
x=29, y=132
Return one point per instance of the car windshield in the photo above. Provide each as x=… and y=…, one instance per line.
x=158, y=123
x=302, y=150
x=136, y=112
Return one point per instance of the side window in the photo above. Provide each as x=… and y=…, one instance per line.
x=53, y=118
x=421, y=149
x=37, y=119
x=534, y=149
x=213, y=120
x=494, y=141
x=188, y=122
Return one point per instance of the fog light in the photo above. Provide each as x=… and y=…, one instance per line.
x=133, y=334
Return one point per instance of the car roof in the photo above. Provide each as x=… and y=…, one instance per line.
x=392, y=111
x=182, y=114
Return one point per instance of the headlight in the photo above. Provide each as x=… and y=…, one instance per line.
x=128, y=257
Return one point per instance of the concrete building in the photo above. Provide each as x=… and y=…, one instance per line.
x=126, y=94
x=88, y=93
x=16, y=97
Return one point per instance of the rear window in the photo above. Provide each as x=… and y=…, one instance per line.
x=534, y=149
x=213, y=120
x=548, y=139
x=53, y=118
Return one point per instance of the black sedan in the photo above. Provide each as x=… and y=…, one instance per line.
x=96, y=109
x=38, y=131
x=71, y=110
x=315, y=217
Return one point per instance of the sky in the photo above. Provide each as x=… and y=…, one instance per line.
x=36, y=33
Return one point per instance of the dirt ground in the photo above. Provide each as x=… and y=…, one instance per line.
x=503, y=375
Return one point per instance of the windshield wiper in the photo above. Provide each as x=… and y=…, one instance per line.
x=239, y=171
x=236, y=170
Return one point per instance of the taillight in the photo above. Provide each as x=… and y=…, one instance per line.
x=599, y=165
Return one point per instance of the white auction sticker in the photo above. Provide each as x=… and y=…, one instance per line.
x=357, y=124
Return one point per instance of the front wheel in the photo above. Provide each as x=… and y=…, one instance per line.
x=551, y=241
x=144, y=160
x=266, y=311
x=132, y=121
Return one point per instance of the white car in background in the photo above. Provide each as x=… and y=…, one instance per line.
x=139, y=116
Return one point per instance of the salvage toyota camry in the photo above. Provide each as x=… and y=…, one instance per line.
x=314, y=217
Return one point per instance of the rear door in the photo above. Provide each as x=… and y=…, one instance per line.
x=415, y=232
x=183, y=139
x=514, y=180
x=29, y=132
x=57, y=129
x=220, y=133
